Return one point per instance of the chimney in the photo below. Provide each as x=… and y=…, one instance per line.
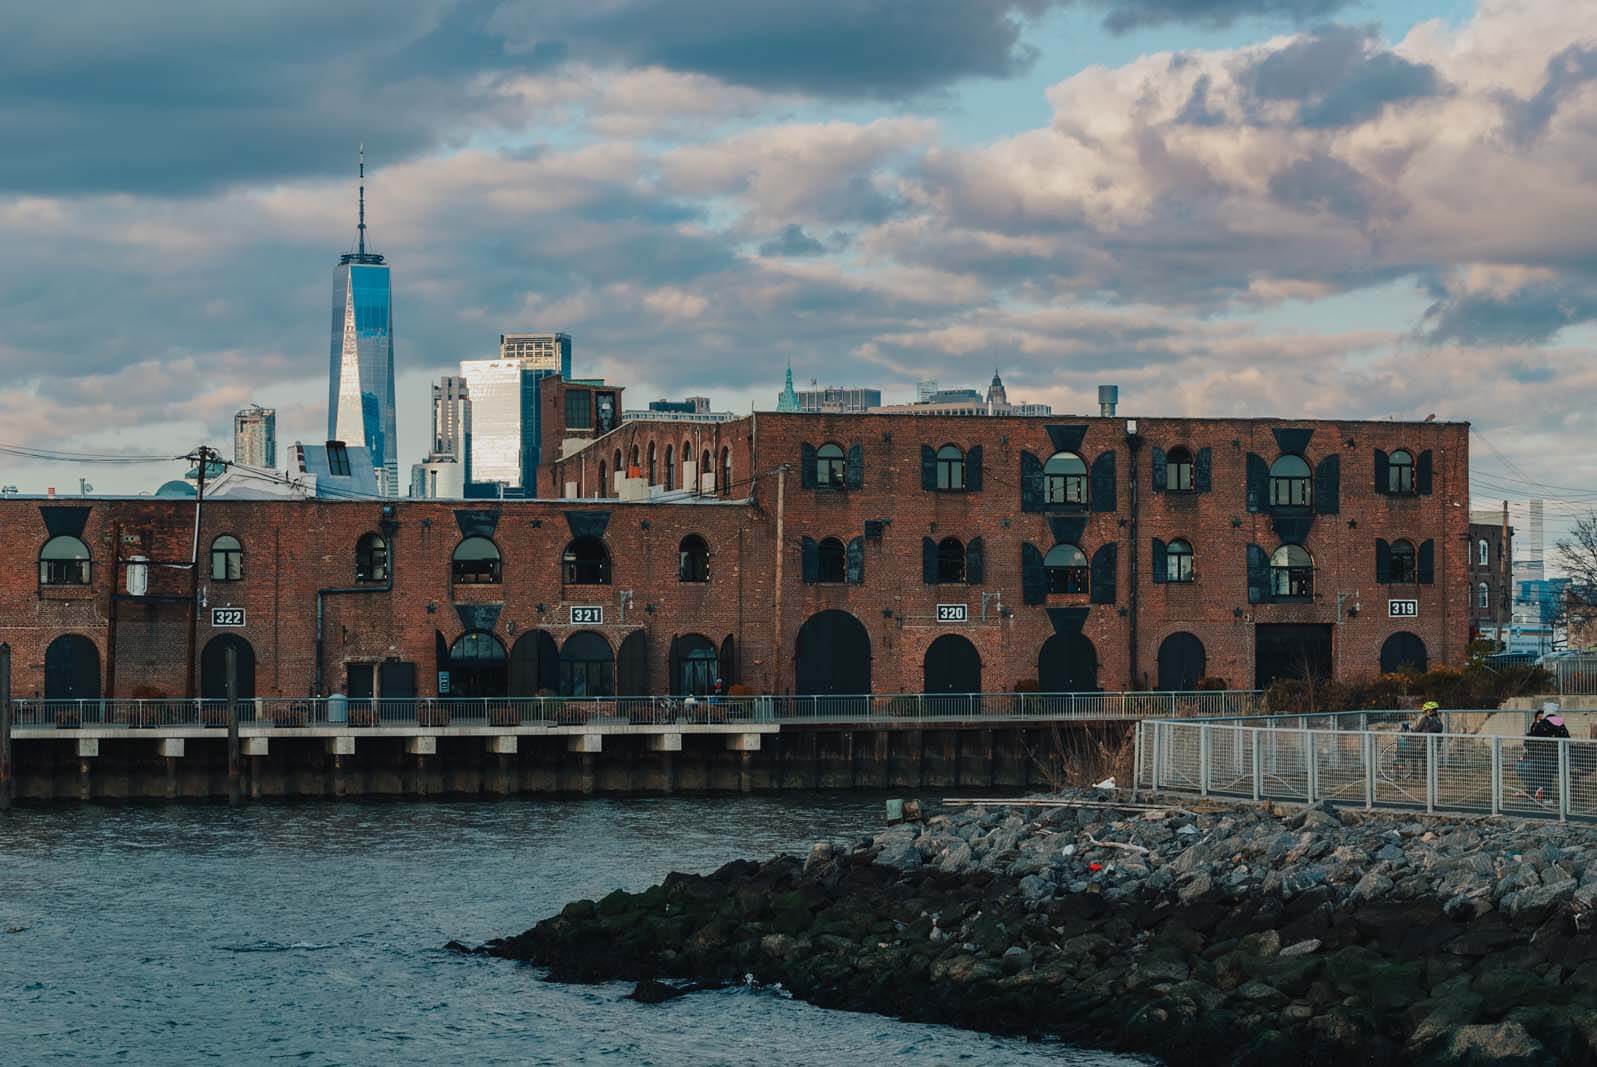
x=1108, y=398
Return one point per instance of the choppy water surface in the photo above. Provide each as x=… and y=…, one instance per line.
x=313, y=933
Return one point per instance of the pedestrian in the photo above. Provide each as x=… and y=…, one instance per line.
x=1412, y=750
x=1543, y=753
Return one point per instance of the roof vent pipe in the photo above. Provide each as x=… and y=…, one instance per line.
x=1108, y=398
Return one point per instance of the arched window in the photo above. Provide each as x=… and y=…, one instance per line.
x=829, y=466
x=1178, y=471
x=830, y=560
x=693, y=560
x=706, y=467
x=620, y=471
x=1066, y=566
x=1400, y=473
x=686, y=456
x=371, y=559
x=694, y=665
x=726, y=471
x=634, y=462
x=1064, y=479
x=950, y=560
x=227, y=559
x=1483, y=552
x=477, y=666
x=670, y=470
x=476, y=562
x=1292, y=572
x=1178, y=561
x=1289, y=482
x=653, y=467
x=950, y=468
x=64, y=560
x=586, y=562
x=587, y=666
x=604, y=489
x=1483, y=596
x=1401, y=567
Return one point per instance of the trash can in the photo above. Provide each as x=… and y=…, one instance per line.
x=338, y=709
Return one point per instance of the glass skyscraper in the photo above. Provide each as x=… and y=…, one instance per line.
x=360, y=394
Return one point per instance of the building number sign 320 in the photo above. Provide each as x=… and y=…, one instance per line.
x=589, y=616
x=952, y=613
x=227, y=616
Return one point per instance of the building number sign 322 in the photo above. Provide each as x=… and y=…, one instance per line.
x=227, y=616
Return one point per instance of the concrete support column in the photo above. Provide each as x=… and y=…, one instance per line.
x=590, y=773
x=338, y=748
x=88, y=748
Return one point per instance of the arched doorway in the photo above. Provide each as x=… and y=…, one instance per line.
x=632, y=665
x=534, y=665
x=213, y=668
x=834, y=655
x=1181, y=662
x=695, y=665
x=587, y=666
x=952, y=665
x=1403, y=651
x=71, y=669
x=477, y=666
x=1067, y=664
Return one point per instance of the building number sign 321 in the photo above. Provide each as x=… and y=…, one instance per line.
x=227, y=616
x=587, y=616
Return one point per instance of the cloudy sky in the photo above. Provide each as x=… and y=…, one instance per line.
x=1328, y=208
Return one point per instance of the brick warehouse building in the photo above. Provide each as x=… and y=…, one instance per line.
x=792, y=553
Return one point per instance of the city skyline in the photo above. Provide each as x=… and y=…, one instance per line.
x=698, y=220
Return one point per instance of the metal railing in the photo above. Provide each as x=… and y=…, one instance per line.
x=1365, y=759
x=509, y=712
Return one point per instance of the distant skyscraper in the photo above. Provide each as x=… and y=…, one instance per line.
x=838, y=399
x=255, y=437
x=360, y=394
x=925, y=390
x=788, y=400
x=504, y=415
x=452, y=418
x=540, y=351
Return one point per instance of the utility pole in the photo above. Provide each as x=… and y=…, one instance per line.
x=1505, y=593
x=202, y=458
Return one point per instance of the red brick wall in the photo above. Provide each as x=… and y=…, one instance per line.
x=294, y=548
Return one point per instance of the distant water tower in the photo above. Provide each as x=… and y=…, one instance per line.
x=1108, y=399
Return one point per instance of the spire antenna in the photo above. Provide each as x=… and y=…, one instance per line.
x=362, y=226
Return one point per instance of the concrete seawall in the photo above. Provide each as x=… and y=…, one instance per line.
x=125, y=765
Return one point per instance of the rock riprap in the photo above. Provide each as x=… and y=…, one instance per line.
x=1216, y=936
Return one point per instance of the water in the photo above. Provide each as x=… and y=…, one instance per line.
x=312, y=933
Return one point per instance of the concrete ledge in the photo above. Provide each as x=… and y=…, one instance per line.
x=171, y=747
x=254, y=746
x=502, y=746
x=88, y=747
x=585, y=743
x=341, y=746
x=742, y=742
x=421, y=745
x=665, y=742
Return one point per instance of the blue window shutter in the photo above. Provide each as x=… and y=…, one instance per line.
x=1156, y=469
x=1258, y=482
x=812, y=561
x=1328, y=485
x=806, y=466
x=1103, y=482
x=975, y=561
x=856, y=561
x=1383, y=561
x=1258, y=575
x=928, y=467
x=854, y=471
x=1033, y=581
x=1103, y=574
x=1158, y=561
x=1422, y=474
x=973, y=469
x=1030, y=482
x=1202, y=470
x=1427, y=563
x=928, y=561
x=1383, y=476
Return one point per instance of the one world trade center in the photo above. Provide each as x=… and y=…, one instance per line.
x=360, y=395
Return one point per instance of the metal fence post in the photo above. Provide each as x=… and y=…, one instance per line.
x=1204, y=754
x=1430, y=774
x=1258, y=768
x=5, y=727
x=1497, y=775
x=1136, y=761
x=1160, y=741
x=1563, y=780
x=1311, y=769
x=1367, y=748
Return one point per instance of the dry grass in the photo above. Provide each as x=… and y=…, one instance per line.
x=1083, y=755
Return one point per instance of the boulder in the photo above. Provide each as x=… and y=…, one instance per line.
x=1505, y=1044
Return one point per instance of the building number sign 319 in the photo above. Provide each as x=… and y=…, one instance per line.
x=227, y=616
x=1402, y=609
